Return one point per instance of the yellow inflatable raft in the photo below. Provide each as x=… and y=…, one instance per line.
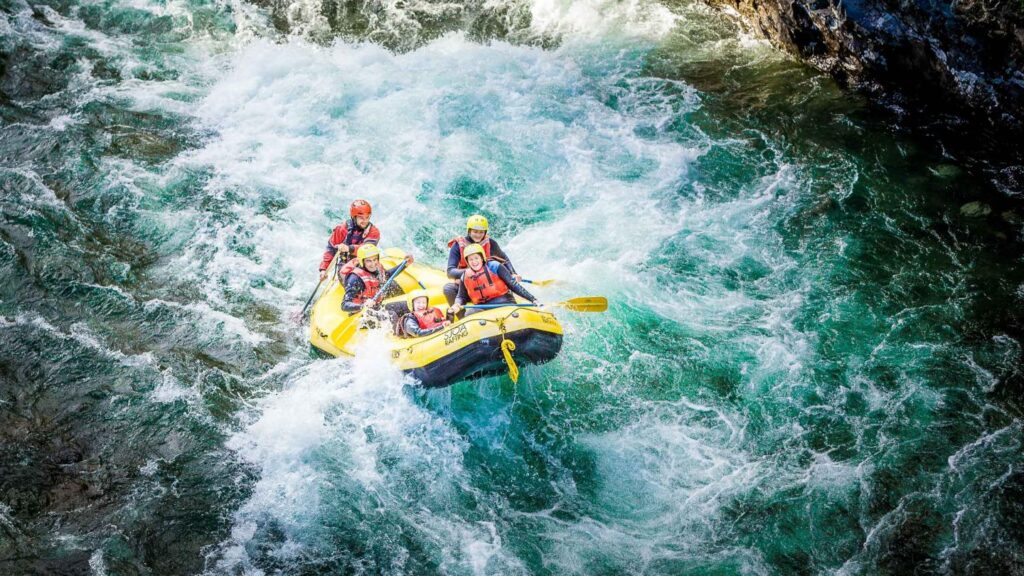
x=486, y=343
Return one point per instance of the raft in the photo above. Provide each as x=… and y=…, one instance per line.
x=487, y=343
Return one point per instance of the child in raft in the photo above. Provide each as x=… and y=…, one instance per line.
x=424, y=319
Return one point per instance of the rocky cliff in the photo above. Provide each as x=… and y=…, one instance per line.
x=952, y=68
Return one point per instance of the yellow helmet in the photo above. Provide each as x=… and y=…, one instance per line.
x=367, y=251
x=474, y=249
x=410, y=299
x=477, y=222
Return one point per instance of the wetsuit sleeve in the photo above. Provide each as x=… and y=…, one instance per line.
x=454, y=272
x=497, y=251
x=337, y=237
x=514, y=286
x=412, y=327
x=463, y=296
x=353, y=287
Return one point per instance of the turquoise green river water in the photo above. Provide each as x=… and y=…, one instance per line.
x=811, y=363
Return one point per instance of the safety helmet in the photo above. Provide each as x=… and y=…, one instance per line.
x=360, y=208
x=367, y=251
x=474, y=249
x=477, y=222
x=410, y=299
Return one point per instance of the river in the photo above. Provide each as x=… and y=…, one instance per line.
x=811, y=363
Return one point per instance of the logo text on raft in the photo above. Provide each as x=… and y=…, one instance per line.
x=455, y=335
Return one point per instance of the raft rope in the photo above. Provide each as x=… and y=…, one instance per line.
x=507, y=346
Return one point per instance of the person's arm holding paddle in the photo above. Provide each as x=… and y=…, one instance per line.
x=512, y=280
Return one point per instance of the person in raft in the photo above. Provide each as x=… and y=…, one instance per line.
x=486, y=282
x=424, y=318
x=363, y=277
x=476, y=233
x=349, y=236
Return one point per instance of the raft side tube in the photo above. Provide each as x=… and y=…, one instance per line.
x=484, y=358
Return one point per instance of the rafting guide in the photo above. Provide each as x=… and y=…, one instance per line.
x=484, y=323
x=348, y=237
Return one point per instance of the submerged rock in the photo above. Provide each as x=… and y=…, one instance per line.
x=975, y=210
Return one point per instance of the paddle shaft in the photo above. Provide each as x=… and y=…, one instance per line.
x=582, y=304
x=489, y=306
x=310, y=300
x=384, y=288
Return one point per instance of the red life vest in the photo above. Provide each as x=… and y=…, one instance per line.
x=429, y=318
x=484, y=284
x=355, y=236
x=462, y=241
x=371, y=282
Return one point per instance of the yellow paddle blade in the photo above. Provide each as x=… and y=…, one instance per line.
x=547, y=282
x=585, y=304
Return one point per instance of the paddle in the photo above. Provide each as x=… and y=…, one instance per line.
x=299, y=316
x=547, y=282
x=394, y=275
x=581, y=304
x=353, y=325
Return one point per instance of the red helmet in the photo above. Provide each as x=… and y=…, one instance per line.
x=360, y=208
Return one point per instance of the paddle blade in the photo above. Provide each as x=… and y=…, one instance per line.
x=585, y=304
x=547, y=282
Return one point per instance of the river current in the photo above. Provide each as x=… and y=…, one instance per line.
x=811, y=363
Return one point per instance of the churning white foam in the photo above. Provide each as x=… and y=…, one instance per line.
x=561, y=144
x=315, y=127
x=348, y=433
x=592, y=19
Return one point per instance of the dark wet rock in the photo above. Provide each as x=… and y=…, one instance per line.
x=975, y=209
x=954, y=68
x=145, y=146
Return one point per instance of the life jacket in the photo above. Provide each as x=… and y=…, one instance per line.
x=371, y=282
x=484, y=284
x=462, y=241
x=354, y=236
x=429, y=318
